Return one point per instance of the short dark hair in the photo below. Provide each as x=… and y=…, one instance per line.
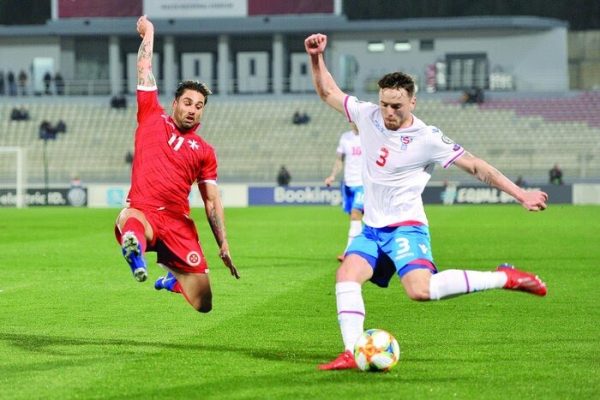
x=398, y=80
x=193, y=85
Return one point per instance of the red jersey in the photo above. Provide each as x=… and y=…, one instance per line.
x=166, y=161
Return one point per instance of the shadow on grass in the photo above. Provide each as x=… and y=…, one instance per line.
x=283, y=374
x=54, y=345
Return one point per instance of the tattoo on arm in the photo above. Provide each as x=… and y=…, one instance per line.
x=144, y=62
x=216, y=225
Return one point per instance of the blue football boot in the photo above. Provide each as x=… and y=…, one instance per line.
x=166, y=282
x=132, y=252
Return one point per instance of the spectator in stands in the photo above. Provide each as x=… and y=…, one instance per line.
x=118, y=101
x=19, y=114
x=59, y=84
x=76, y=182
x=300, y=118
x=46, y=131
x=283, y=176
x=520, y=181
x=129, y=157
x=472, y=96
x=2, y=84
x=157, y=217
x=556, y=175
x=61, y=126
x=399, y=154
x=12, y=83
x=23, y=82
x=47, y=82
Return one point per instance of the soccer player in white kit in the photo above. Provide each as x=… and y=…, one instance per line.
x=399, y=152
x=349, y=156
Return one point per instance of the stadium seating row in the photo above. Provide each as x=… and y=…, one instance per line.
x=254, y=137
x=581, y=107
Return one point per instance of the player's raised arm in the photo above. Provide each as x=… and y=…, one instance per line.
x=534, y=200
x=216, y=219
x=144, y=60
x=324, y=83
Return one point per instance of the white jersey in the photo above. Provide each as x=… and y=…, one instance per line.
x=397, y=164
x=349, y=148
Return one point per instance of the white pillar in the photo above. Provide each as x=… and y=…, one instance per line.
x=337, y=7
x=115, y=70
x=278, y=64
x=223, y=69
x=54, y=10
x=169, y=66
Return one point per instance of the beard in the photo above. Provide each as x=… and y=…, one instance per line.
x=391, y=125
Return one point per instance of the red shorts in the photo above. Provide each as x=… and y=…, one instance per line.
x=175, y=241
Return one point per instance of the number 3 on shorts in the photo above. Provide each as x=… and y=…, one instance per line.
x=403, y=247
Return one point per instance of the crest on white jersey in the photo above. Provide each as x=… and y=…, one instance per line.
x=406, y=140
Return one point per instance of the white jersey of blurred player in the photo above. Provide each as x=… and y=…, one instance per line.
x=349, y=147
x=395, y=175
x=349, y=153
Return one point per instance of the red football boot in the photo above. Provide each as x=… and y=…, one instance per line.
x=343, y=361
x=524, y=281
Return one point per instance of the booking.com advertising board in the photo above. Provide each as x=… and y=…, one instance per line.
x=239, y=195
x=294, y=195
x=320, y=195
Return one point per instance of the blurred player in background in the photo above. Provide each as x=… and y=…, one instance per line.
x=169, y=158
x=399, y=153
x=349, y=157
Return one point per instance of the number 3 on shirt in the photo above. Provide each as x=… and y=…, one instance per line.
x=383, y=155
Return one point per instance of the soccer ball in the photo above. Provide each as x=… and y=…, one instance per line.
x=376, y=350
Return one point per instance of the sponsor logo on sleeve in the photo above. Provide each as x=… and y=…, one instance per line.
x=447, y=140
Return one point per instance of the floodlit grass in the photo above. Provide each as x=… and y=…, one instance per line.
x=75, y=324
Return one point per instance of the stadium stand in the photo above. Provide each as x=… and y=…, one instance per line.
x=584, y=107
x=254, y=136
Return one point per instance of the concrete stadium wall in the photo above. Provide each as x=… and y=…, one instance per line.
x=584, y=60
x=539, y=62
x=16, y=54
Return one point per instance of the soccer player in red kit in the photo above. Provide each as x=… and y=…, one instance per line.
x=169, y=158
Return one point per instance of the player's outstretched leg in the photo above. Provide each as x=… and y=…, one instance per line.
x=343, y=361
x=524, y=281
x=168, y=282
x=132, y=251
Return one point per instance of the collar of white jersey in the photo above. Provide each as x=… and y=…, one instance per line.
x=416, y=126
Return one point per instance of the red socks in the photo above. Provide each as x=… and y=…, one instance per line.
x=135, y=225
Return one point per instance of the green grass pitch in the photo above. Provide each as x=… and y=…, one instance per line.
x=75, y=325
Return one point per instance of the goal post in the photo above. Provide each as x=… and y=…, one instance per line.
x=12, y=175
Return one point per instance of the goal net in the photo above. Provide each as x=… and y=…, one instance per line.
x=12, y=177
